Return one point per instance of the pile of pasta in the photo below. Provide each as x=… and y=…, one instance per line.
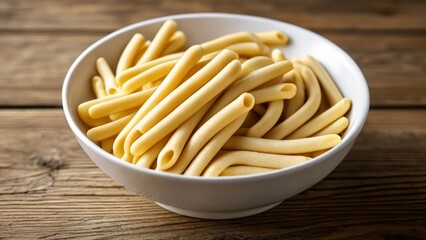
x=234, y=105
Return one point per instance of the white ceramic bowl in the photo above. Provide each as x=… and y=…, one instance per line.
x=224, y=197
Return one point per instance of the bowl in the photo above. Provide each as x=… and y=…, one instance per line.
x=221, y=197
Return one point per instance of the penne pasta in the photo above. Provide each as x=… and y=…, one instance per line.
x=277, y=55
x=255, y=63
x=272, y=38
x=322, y=120
x=106, y=144
x=297, y=102
x=107, y=130
x=250, y=82
x=149, y=157
x=83, y=110
x=105, y=72
x=129, y=53
x=255, y=159
x=293, y=146
x=330, y=89
x=176, y=43
x=268, y=120
x=184, y=91
x=227, y=40
x=168, y=124
x=243, y=170
x=302, y=115
x=232, y=111
x=140, y=52
x=98, y=87
x=274, y=93
x=206, y=154
x=159, y=42
x=119, y=104
x=249, y=49
x=335, y=127
x=124, y=113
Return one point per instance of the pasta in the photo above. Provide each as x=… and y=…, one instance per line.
x=231, y=106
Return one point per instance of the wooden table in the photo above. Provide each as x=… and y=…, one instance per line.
x=50, y=189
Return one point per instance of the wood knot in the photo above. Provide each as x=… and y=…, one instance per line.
x=51, y=159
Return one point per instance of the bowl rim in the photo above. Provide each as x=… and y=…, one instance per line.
x=356, y=129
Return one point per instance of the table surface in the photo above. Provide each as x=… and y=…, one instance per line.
x=50, y=189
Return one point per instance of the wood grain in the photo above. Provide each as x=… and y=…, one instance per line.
x=393, y=64
x=49, y=189
x=80, y=15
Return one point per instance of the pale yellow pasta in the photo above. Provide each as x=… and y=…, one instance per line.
x=297, y=102
x=272, y=37
x=259, y=109
x=140, y=52
x=267, y=121
x=302, y=115
x=330, y=89
x=159, y=42
x=317, y=153
x=250, y=82
x=107, y=130
x=278, y=55
x=106, y=144
x=335, y=127
x=177, y=42
x=129, y=53
x=98, y=87
x=136, y=70
x=206, y=154
x=174, y=147
x=293, y=146
x=228, y=114
x=251, y=119
x=185, y=90
x=120, y=104
x=157, y=72
x=149, y=157
x=105, y=72
x=124, y=113
x=227, y=40
x=244, y=170
x=170, y=82
x=321, y=121
x=255, y=63
x=83, y=110
x=249, y=49
x=274, y=93
x=255, y=159
x=190, y=106
x=323, y=105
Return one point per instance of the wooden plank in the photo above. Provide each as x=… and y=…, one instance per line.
x=49, y=189
x=393, y=64
x=110, y=14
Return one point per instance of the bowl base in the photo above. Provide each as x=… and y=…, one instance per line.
x=218, y=215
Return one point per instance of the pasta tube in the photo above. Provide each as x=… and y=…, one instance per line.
x=170, y=82
x=249, y=49
x=119, y=104
x=232, y=111
x=294, y=146
x=203, y=158
x=322, y=120
x=330, y=89
x=255, y=63
x=243, y=170
x=176, y=43
x=106, y=144
x=83, y=110
x=272, y=37
x=129, y=53
x=124, y=113
x=140, y=52
x=159, y=42
x=174, y=147
x=105, y=71
x=255, y=159
x=297, y=102
x=268, y=120
x=98, y=87
x=185, y=90
x=259, y=109
x=227, y=40
x=149, y=157
x=274, y=93
x=304, y=113
x=335, y=127
x=109, y=129
x=167, y=125
x=277, y=55
x=250, y=82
